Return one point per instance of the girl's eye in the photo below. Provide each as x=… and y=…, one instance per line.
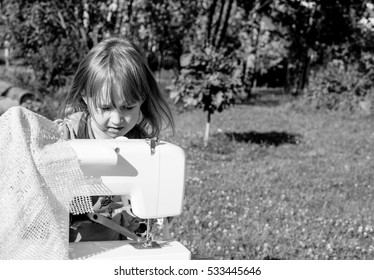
x=128, y=108
x=105, y=108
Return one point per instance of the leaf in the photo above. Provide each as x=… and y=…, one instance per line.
x=174, y=94
x=190, y=101
x=218, y=99
x=186, y=59
x=214, y=79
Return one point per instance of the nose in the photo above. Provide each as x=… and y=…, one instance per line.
x=116, y=117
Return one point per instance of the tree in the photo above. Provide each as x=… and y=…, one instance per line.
x=217, y=23
x=216, y=66
x=168, y=24
x=209, y=79
x=262, y=44
x=313, y=29
x=53, y=35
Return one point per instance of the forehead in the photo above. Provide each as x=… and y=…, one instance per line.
x=104, y=100
x=115, y=97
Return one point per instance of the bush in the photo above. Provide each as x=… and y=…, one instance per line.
x=52, y=36
x=341, y=87
x=208, y=80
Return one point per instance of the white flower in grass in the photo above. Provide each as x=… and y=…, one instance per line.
x=359, y=230
x=329, y=247
x=368, y=228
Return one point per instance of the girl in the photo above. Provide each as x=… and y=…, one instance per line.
x=113, y=94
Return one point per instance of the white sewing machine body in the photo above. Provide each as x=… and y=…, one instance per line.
x=151, y=174
x=125, y=250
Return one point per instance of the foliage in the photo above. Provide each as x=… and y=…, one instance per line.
x=341, y=87
x=163, y=26
x=208, y=80
x=263, y=57
x=52, y=35
x=262, y=47
x=258, y=38
x=312, y=28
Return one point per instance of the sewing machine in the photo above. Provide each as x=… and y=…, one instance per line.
x=152, y=174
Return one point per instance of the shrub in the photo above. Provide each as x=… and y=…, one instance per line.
x=341, y=87
x=207, y=81
x=53, y=36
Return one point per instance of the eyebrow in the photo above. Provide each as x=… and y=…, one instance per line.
x=112, y=105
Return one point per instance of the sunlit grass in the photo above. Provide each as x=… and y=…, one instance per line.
x=307, y=199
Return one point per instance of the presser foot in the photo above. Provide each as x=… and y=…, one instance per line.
x=148, y=243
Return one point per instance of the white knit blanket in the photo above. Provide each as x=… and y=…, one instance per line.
x=39, y=176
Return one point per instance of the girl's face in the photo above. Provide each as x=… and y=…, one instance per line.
x=109, y=122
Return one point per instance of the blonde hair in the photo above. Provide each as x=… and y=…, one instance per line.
x=117, y=67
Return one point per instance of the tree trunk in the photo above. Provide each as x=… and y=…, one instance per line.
x=287, y=84
x=305, y=60
x=218, y=24
x=304, y=73
x=225, y=24
x=207, y=130
x=257, y=42
x=212, y=10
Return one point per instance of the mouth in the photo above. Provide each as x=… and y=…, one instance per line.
x=115, y=128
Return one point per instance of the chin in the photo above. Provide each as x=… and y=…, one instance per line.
x=116, y=134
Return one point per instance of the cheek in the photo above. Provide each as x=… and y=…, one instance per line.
x=102, y=117
x=133, y=116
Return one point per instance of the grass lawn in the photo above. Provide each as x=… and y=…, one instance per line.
x=276, y=182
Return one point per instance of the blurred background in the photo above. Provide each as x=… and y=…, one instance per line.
x=221, y=51
x=273, y=101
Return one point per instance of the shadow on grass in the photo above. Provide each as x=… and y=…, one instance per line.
x=220, y=146
x=272, y=138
